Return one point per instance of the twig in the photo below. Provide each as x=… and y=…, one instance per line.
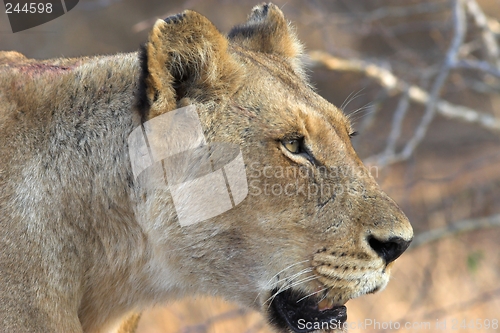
x=367, y=17
x=460, y=28
x=401, y=11
x=482, y=66
x=443, y=312
x=494, y=26
x=471, y=166
x=480, y=299
x=397, y=122
x=454, y=229
x=489, y=37
x=393, y=84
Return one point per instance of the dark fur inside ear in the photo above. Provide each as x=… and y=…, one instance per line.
x=142, y=102
x=267, y=31
x=174, y=18
x=185, y=56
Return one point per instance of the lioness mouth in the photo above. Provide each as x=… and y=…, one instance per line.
x=301, y=314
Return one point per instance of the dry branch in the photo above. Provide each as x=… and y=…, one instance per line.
x=455, y=229
x=460, y=28
x=488, y=36
x=396, y=85
x=397, y=123
x=482, y=66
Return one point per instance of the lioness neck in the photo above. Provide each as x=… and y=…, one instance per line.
x=82, y=140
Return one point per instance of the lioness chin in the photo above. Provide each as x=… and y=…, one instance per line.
x=83, y=244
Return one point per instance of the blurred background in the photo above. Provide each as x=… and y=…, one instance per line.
x=421, y=82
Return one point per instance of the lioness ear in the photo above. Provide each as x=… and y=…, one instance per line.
x=267, y=31
x=185, y=56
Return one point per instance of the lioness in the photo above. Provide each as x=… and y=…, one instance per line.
x=82, y=245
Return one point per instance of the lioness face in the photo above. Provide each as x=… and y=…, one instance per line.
x=315, y=229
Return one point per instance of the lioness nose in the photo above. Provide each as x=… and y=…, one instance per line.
x=390, y=249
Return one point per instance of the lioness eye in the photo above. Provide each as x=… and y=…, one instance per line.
x=293, y=146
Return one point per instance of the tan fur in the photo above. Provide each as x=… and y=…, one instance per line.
x=130, y=324
x=81, y=245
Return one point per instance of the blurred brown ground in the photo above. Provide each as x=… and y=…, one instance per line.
x=453, y=175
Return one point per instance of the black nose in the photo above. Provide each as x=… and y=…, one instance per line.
x=390, y=249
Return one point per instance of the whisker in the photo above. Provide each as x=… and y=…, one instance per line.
x=345, y=102
x=285, y=287
x=314, y=293
x=311, y=278
x=364, y=107
x=324, y=296
x=290, y=279
x=352, y=96
x=361, y=115
x=284, y=269
x=270, y=282
x=368, y=106
x=271, y=298
x=296, y=275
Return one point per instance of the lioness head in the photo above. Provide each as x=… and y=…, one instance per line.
x=315, y=230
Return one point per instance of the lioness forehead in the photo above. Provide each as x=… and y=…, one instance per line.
x=286, y=107
x=294, y=105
